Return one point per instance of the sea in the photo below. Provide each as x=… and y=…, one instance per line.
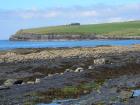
x=7, y=45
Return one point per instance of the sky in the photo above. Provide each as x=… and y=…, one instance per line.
x=22, y=14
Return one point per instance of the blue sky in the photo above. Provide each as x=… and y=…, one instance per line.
x=21, y=14
x=27, y=4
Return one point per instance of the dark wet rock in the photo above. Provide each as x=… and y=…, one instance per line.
x=41, y=70
x=18, y=82
x=134, y=101
x=111, y=93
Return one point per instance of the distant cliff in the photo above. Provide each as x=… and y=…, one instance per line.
x=30, y=37
x=120, y=30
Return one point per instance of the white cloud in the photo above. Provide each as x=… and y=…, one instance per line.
x=26, y=15
x=89, y=13
x=52, y=14
x=131, y=7
x=37, y=14
x=116, y=19
x=98, y=13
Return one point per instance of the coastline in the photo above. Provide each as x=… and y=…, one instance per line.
x=37, y=53
x=48, y=70
x=38, y=37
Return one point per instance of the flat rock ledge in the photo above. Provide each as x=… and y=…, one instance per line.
x=24, y=72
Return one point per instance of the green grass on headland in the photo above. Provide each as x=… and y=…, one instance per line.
x=131, y=28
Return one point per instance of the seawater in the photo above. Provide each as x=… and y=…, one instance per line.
x=6, y=44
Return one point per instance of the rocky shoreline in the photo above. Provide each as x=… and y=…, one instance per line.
x=38, y=37
x=105, y=75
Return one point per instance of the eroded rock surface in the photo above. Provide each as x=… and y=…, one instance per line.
x=44, y=69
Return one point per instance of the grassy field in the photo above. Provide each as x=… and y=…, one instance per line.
x=131, y=28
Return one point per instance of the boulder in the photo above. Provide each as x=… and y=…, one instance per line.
x=18, y=82
x=125, y=94
x=80, y=69
x=9, y=82
x=100, y=61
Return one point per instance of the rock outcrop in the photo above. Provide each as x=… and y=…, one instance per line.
x=110, y=72
x=39, y=37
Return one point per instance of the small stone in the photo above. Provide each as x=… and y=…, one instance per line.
x=99, y=91
x=91, y=67
x=37, y=80
x=71, y=70
x=50, y=75
x=80, y=69
x=30, y=82
x=56, y=73
x=61, y=73
x=68, y=70
x=23, y=83
x=85, y=92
